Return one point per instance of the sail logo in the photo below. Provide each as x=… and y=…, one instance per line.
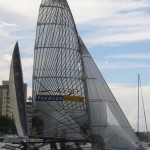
x=73, y=99
x=59, y=98
x=49, y=98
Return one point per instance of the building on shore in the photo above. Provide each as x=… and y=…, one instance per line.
x=29, y=114
x=5, y=101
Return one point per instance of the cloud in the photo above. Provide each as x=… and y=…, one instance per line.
x=9, y=35
x=23, y=8
x=119, y=22
x=7, y=24
x=131, y=56
x=107, y=21
x=88, y=10
x=6, y=29
x=121, y=65
x=113, y=35
x=5, y=60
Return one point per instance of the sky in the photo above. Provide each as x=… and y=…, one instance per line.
x=116, y=32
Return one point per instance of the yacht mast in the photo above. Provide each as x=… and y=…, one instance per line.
x=140, y=91
x=138, y=104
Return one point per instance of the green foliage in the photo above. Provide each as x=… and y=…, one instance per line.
x=7, y=125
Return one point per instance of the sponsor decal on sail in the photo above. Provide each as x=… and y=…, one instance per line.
x=73, y=99
x=59, y=98
x=49, y=98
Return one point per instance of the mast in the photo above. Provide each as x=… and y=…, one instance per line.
x=138, y=105
x=140, y=91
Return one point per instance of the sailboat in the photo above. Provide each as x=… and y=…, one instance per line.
x=18, y=102
x=70, y=96
x=72, y=101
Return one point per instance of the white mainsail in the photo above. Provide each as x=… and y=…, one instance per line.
x=58, y=91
